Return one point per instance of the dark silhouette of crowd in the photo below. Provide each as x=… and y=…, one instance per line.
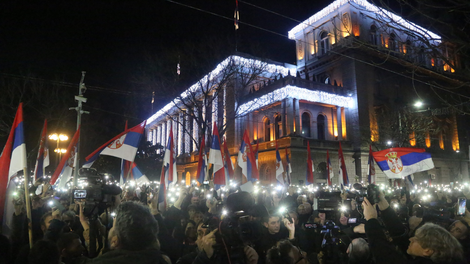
x=273, y=225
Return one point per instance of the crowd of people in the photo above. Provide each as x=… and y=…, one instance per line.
x=289, y=225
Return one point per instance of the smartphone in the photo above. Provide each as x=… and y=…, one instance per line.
x=287, y=215
x=462, y=203
x=352, y=220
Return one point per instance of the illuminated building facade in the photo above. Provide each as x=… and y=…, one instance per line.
x=353, y=59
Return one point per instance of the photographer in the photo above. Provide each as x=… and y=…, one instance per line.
x=431, y=243
x=286, y=253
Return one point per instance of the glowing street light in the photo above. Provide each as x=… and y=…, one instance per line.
x=389, y=142
x=418, y=104
x=59, y=137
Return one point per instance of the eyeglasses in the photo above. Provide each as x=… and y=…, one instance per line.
x=301, y=255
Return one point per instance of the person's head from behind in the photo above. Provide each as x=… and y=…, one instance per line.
x=358, y=251
x=286, y=253
x=134, y=228
x=272, y=223
x=46, y=220
x=191, y=230
x=434, y=242
x=459, y=229
x=70, y=245
x=44, y=252
x=69, y=218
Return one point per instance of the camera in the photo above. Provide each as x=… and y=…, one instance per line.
x=372, y=192
x=96, y=194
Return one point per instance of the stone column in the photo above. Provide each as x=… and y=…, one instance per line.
x=338, y=122
x=181, y=133
x=297, y=117
x=284, y=116
x=290, y=116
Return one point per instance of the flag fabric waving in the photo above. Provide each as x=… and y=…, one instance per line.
x=246, y=159
x=125, y=171
x=201, y=174
x=371, y=169
x=279, y=167
x=169, y=173
x=122, y=146
x=227, y=163
x=288, y=169
x=13, y=157
x=63, y=172
x=343, y=173
x=215, y=158
x=137, y=175
x=398, y=163
x=256, y=153
x=42, y=160
x=310, y=169
x=329, y=169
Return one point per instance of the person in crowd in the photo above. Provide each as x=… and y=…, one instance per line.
x=44, y=252
x=358, y=252
x=70, y=247
x=197, y=217
x=286, y=253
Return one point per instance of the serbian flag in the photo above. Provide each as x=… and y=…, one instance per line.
x=343, y=173
x=371, y=169
x=215, y=158
x=125, y=171
x=310, y=169
x=13, y=157
x=236, y=16
x=64, y=171
x=138, y=176
x=201, y=173
x=288, y=169
x=246, y=159
x=398, y=163
x=279, y=167
x=256, y=154
x=42, y=160
x=227, y=163
x=122, y=146
x=329, y=168
x=169, y=173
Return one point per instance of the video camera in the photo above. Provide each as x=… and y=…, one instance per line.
x=332, y=245
x=372, y=192
x=96, y=194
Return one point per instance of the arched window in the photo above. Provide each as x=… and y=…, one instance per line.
x=306, y=125
x=392, y=42
x=421, y=56
x=267, y=130
x=373, y=35
x=321, y=127
x=324, y=43
x=277, y=126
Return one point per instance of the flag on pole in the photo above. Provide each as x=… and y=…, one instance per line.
x=236, y=16
x=279, y=167
x=246, y=159
x=310, y=169
x=125, y=171
x=13, y=157
x=329, y=169
x=169, y=173
x=371, y=169
x=63, y=172
x=398, y=163
x=138, y=176
x=256, y=153
x=343, y=173
x=122, y=146
x=288, y=169
x=42, y=160
x=410, y=178
x=215, y=158
x=202, y=162
x=227, y=163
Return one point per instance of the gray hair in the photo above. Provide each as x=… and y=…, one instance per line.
x=359, y=251
x=447, y=248
x=135, y=226
x=70, y=214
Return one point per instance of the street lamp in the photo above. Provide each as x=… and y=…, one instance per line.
x=418, y=104
x=389, y=142
x=59, y=137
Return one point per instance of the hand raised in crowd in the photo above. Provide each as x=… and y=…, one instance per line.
x=359, y=229
x=383, y=204
x=19, y=205
x=56, y=214
x=291, y=227
x=251, y=255
x=208, y=242
x=370, y=211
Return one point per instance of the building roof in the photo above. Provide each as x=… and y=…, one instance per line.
x=366, y=6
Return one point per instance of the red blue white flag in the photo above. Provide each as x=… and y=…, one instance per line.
x=42, y=160
x=122, y=146
x=13, y=157
x=227, y=163
x=215, y=158
x=343, y=173
x=371, y=167
x=329, y=168
x=310, y=169
x=288, y=169
x=246, y=159
x=137, y=176
x=398, y=163
x=63, y=172
x=201, y=174
x=279, y=167
x=169, y=173
x=256, y=153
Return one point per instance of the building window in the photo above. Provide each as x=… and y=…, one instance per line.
x=321, y=127
x=277, y=126
x=373, y=35
x=392, y=42
x=324, y=43
x=267, y=130
x=305, y=125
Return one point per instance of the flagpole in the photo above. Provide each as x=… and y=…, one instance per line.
x=28, y=205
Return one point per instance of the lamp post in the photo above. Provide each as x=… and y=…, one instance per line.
x=58, y=138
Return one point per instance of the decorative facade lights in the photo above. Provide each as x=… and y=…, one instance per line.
x=213, y=75
x=331, y=8
x=297, y=93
